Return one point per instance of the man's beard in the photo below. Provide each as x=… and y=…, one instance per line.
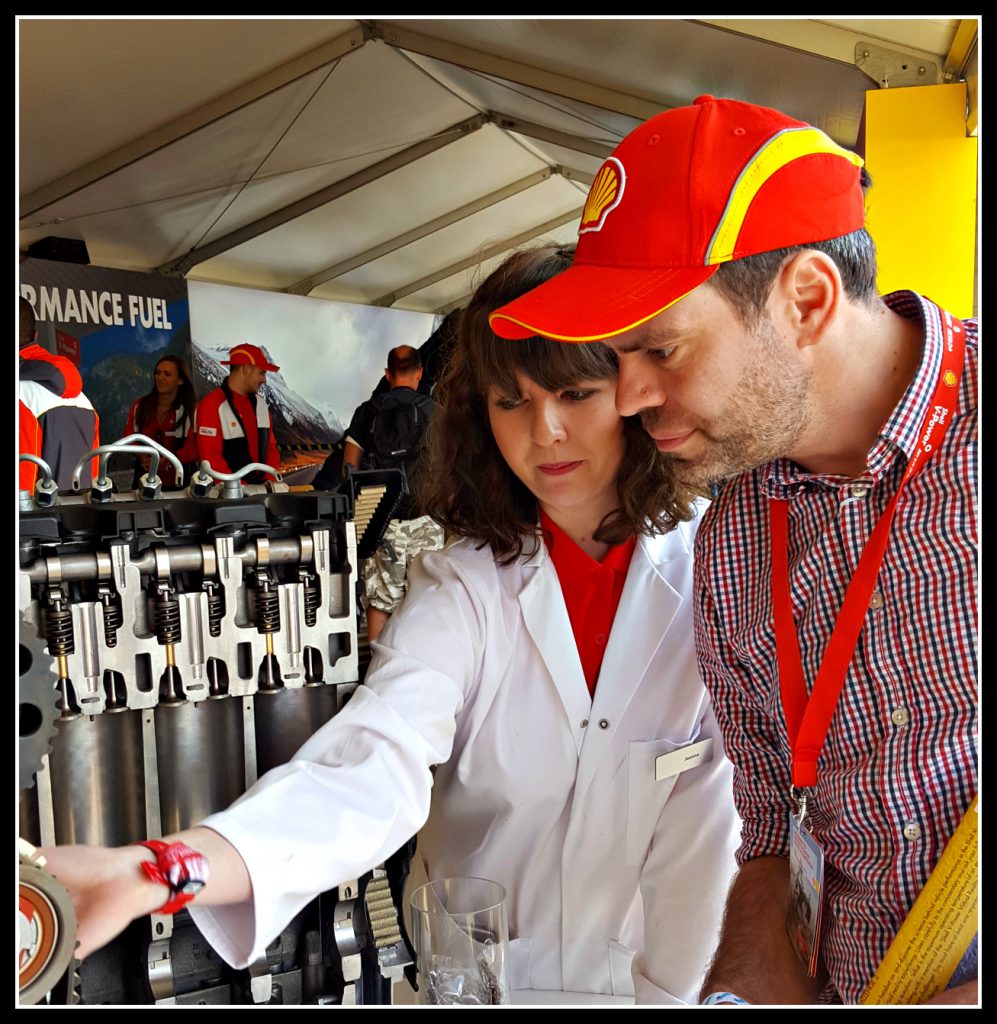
x=763, y=418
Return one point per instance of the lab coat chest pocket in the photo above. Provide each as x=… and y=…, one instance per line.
x=646, y=796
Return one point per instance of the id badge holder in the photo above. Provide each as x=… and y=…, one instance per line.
x=806, y=887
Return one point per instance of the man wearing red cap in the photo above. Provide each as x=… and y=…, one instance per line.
x=232, y=423
x=722, y=254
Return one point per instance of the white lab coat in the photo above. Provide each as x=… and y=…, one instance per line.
x=539, y=787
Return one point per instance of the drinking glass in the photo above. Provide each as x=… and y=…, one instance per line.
x=461, y=937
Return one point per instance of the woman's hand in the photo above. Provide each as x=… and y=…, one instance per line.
x=107, y=887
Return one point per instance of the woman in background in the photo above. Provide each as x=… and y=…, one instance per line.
x=165, y=414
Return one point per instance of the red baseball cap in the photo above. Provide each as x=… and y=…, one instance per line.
x=248, y=355
x=686, y=191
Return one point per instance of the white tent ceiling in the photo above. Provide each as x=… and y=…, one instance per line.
x=390, y=162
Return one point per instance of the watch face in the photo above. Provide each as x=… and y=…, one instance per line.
x=191, y=887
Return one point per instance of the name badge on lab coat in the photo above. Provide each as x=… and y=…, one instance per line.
x=681, y=760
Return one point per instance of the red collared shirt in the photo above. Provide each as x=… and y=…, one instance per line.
x=591, y=590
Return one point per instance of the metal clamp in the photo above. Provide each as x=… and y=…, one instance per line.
x=162, y=449
x=46, y=489
x=105, y=451
x=800, y=795
x=892, y=69
x=232, y=482
x=101, y=489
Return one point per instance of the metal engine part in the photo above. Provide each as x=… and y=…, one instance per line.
x=393, y=955
x=189, y=645
x=46, y=945
x=37, y=703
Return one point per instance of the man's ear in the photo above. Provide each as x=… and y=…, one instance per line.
x=807, y=295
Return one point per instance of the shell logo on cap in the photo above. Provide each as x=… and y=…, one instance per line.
x=604, y=195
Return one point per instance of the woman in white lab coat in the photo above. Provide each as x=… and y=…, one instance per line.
x=577, y=760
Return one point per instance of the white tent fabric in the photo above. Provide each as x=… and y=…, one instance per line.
x=391, y=162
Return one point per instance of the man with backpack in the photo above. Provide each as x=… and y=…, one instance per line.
x=385, y=433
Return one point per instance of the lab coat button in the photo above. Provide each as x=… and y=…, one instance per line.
x=585, y=722
x=603, y=723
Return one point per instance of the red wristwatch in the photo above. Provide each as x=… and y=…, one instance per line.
x=184, y=871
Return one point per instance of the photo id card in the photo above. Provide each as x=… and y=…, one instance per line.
x=806, y=886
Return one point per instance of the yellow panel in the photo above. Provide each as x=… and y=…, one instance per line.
x=922, y=206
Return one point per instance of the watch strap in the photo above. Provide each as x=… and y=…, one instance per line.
x=180, y=868
x=724, y=999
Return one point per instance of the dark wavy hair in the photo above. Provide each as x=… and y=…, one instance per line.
x=465, y=484
x=186, y=396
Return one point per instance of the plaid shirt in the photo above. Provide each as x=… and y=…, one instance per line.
x=898, y=768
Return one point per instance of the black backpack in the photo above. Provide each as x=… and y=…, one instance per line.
x=396, y=431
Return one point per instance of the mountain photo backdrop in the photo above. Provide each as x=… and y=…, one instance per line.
x=331, y=357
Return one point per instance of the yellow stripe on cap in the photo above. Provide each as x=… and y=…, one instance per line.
x=788, y=145
x=492, y=317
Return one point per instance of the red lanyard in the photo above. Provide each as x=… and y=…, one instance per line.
x=808, y=719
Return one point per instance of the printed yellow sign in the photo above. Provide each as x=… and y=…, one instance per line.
x=941, y=924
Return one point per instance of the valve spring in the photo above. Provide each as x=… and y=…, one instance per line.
x=313, y=598
x=216, y=612
x=113, y=618
x=59, y=630
x=166, y=616
x=267, y=611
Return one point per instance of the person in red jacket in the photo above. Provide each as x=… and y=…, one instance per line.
x=166, y=415
x=232, y=423
x=56, y=420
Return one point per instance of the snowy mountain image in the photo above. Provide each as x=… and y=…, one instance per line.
x=295, y=421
